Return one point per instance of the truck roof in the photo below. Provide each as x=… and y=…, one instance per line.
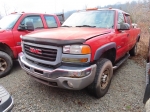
x=26, y=13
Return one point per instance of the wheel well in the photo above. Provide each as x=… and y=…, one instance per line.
x=110, y=54
x=5, y=48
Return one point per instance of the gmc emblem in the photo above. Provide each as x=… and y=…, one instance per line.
x=36, y=51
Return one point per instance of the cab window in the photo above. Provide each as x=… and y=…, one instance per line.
x=36, y=20
x=128, y=19
x=51, y=22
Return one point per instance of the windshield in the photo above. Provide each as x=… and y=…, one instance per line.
x=99, y=19
x=9, y=21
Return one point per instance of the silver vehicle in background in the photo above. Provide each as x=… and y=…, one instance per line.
x=6, y=101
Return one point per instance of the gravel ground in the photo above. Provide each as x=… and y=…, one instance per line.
x=125, y=94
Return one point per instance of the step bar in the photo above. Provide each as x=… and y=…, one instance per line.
x=120, y=62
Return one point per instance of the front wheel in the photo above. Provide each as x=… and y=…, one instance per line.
x=5, y=64
x=102, y=79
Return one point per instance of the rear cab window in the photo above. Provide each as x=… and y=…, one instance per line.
x=50, y=21
x=128, y=20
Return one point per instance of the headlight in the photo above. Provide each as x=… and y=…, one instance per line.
x=77, y=49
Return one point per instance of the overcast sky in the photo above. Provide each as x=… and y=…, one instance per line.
x=52, y=6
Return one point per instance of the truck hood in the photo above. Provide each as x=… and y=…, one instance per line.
x=70, y=33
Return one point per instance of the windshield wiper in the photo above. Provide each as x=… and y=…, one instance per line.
x=85, y=26
x=66, y=26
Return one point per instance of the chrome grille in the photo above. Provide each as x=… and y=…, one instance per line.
x=47, y=54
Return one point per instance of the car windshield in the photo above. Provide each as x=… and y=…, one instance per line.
x=9, y=21
x=99, y=19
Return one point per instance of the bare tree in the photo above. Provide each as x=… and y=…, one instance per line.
x=6, y=8
x=15, y=9
x=85, y=6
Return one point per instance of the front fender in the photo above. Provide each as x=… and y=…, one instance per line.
x=104, y=48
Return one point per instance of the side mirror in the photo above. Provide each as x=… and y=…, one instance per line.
x=123, y=26
x=29, y=26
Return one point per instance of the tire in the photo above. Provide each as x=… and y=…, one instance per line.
x=99, y=87
x=133, y=51
x=5, y=64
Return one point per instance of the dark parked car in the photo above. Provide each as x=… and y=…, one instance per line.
x=6, y=101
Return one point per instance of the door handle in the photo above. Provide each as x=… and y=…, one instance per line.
x=128, y=35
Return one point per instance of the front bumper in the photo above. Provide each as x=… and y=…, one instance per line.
x=6, y=101
x=57, y=77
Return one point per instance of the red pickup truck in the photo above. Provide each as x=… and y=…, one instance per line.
x=83, y=52
x=15, y=25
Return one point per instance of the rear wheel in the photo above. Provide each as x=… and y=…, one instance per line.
x=133, y=51
x=102, y=79
x=5, y=64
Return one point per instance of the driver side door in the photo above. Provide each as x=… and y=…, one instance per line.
x=121, y=38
